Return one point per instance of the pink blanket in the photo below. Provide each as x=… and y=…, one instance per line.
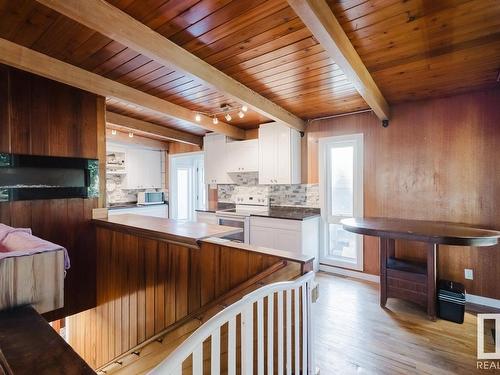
x=16, y=242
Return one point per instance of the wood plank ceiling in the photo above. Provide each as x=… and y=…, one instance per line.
x=414, y=49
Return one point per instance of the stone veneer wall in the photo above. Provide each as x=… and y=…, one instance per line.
x=301, y=195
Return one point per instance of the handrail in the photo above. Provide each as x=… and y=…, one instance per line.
x=244, y=307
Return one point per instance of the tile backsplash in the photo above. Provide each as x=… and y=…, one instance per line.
x=302, y=195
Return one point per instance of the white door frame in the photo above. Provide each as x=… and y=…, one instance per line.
x=324, y=162
x=172, y=189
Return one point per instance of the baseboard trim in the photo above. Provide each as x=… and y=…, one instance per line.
x=350, y=273
x=484, y=301
x=471, y=298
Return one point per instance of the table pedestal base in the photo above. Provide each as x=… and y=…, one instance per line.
x=415, y=282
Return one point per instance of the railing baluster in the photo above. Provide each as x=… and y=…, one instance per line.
x=231, y=346
x=288, y=331
x=304, y=331
x=270, y=334
x=296, y=330
x=215, y=352
x=247, y=340
x=198, y=360
x=260, y=337
x=280, y=333
x=294, y=295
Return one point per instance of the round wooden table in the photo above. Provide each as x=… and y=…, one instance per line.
x=408, y=280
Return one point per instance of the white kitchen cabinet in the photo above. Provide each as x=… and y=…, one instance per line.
x=160, y=210
x=297, y=236
x=216, y=161
x=143, y=169
x=206, y=217
x=279, y=155
x=243, y=156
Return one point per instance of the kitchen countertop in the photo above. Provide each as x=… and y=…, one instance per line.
x=187, y=233
x=289, y=213
x=117, y=206
x=220, y=207
x=275, y=212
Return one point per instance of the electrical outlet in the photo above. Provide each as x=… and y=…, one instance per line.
x=469, y=274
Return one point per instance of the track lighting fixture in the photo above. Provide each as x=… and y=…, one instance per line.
x=228, y=117
x=215, y=120
x=131, y=135
x=113, y=131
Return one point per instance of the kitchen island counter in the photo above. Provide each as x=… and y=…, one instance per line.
x=174, y=231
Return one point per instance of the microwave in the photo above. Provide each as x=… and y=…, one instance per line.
x=147, y=198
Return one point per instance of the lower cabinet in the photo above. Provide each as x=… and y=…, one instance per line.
x=156, y=211
x=297, y=236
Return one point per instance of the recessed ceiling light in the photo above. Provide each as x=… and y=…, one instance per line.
x=113, y=131
x=244, y=108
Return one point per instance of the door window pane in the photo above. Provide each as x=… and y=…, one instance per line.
x=183, y=194
x=342, y=180
x=342, y=243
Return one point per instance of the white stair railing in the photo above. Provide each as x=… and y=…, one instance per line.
x=282, y=344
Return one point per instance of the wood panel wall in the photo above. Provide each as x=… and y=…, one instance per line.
x=145, y=286
x=437, y=160
x=43, y=117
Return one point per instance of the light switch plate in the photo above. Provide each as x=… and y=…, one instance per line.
x=469, y=274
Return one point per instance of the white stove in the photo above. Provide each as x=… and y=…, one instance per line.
x=239, y=216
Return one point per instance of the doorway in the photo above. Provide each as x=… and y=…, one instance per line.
x=186, y=185
x=341, y=196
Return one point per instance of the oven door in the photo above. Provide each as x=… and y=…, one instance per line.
x=237, y=222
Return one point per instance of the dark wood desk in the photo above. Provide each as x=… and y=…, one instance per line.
x=409, y=280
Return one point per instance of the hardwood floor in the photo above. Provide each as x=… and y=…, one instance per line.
x=354, y=335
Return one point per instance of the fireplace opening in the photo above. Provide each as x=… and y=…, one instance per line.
x=28, y=177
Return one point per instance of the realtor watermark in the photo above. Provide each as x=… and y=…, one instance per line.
x=488, y=331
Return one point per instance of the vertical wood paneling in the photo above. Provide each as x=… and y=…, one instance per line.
x=42, y=117
x=4, y=110
x=145, y=286
x=437, y=160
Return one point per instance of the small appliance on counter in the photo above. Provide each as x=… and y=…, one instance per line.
x=150, y=198
x=451, y=301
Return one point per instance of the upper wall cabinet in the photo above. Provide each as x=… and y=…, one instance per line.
x=216, y=162
x=279, y=155
x=243, y=156
x=143, y=169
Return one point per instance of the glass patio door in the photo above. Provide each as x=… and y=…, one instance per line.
x=341, y=196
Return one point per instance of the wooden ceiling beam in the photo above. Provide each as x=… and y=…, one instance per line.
x=34, y=62
x=154, y=129
x=110, y=21
x=320, y=20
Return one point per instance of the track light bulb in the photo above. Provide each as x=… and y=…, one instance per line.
x=244, y=108
x=228, y=117
x=131, y=135
x=241, y=114
x=113, y=131
x=215, y=120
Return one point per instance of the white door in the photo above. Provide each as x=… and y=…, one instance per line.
x=341, y=196
x=187, y=185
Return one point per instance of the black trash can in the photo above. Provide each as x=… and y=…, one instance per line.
x=451, y=301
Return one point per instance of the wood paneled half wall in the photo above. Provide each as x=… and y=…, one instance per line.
x=43, y=117
x=437, y=160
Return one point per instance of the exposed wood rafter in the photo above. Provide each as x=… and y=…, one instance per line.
x=34, y=62
x=147, y=127
x=110, y=21
x=318, y=17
